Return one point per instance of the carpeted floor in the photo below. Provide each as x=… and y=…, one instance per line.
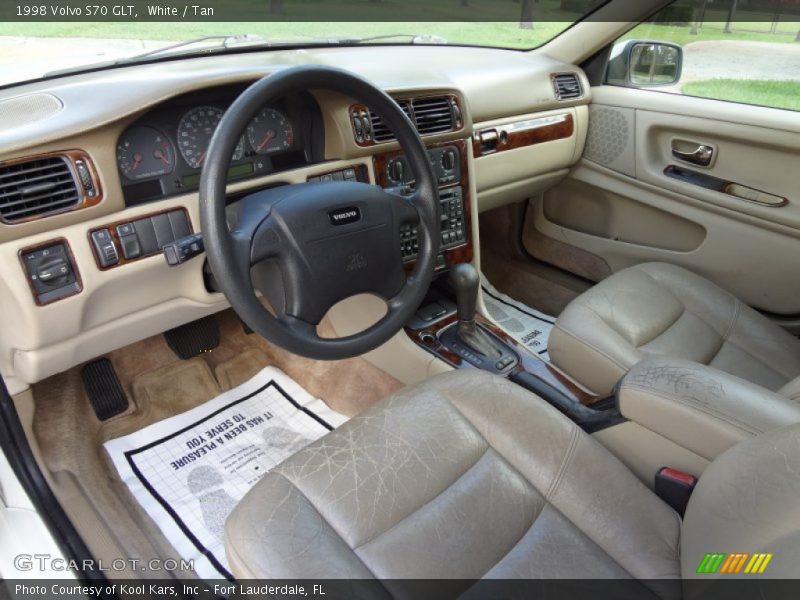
x=159, y=385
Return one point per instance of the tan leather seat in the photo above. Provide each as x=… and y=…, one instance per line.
x=467, y=476
x=657, y=309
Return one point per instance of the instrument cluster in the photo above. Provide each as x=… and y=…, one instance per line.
x=163, y=152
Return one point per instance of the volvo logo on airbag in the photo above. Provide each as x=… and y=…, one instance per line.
x=343, y=216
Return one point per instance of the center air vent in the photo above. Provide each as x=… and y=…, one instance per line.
x=380, y=131
x=433, y=115
x=430, y=115
x=37, y=187
x=567, y=86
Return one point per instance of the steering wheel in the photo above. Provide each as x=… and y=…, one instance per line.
x=307, y=246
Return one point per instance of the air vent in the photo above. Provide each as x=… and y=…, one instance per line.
x=36, y=188
x=433, y=115
x=567, y=86
x=382, y=133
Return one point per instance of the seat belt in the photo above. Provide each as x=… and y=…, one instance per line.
x=675, y=487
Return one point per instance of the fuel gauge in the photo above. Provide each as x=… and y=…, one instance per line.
x=143, y=153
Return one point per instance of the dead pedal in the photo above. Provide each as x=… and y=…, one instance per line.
x=103, y=389
x=195, y=338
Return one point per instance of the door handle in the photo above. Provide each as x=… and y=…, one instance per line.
x=701, y=155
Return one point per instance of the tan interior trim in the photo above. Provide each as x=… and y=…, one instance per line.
x=644, y=452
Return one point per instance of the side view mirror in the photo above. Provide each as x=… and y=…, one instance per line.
x=640, y=63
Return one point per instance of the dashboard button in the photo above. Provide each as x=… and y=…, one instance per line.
x=179, y=224
x=125, y=229
x=105, y=248
x=146, y=235
x=130, y=246
x=163, y=230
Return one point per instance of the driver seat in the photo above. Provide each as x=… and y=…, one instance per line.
x=469, y=476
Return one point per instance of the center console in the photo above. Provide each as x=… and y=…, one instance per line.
x=449, y=162
x=453, y=331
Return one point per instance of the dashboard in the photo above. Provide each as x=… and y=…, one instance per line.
x=83, y=263
x=162, y=153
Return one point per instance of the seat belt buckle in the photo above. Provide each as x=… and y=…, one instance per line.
x=675, y=487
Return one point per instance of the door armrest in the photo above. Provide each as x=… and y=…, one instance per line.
x=703, y=409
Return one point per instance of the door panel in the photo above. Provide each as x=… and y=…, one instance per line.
x=619, y=204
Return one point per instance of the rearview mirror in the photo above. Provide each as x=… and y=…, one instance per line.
x=639, y=63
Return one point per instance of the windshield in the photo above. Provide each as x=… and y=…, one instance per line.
x=34, y=50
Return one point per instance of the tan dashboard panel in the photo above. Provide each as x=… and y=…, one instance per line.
x=117, y=306
x=121, y=305
x=540, y=147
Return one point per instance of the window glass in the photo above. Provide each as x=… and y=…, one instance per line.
x=738, y=51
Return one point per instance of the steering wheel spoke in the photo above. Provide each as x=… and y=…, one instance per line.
x=306, y=247
x=405, y=210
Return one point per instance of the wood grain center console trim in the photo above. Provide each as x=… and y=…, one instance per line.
x=452, y=256
x=360, y=114
x=428, y=339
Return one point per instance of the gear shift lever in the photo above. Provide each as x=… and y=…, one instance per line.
x=466, y=281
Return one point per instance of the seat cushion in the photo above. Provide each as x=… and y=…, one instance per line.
x=463, y=476
x=658, y=309
x=746, y=502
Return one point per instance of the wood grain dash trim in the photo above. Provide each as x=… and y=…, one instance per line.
x=521, y=134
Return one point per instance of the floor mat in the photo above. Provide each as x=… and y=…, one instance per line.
x=189, y=471
x=529, y=327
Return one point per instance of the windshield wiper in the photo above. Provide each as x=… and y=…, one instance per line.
x=413, y=38
x=226, y=41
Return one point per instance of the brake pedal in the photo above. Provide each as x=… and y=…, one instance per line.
x=103, y=389
x=195, y=338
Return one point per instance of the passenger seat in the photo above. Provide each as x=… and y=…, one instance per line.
x=658, y=309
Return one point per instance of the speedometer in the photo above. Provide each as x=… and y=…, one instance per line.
x=194, y=135
x=269, y=132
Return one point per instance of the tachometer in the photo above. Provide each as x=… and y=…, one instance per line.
x=194, y=135
x=270, y=131
x=144, y=152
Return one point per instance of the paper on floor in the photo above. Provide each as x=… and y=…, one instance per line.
x=529, y=327
x=189, y=471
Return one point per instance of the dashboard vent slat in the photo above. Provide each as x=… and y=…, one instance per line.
x=433, y=115
x=380, y=131
x=429, y=115
x=567, y=86
x=36, y=188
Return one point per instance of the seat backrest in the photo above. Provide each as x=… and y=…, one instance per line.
x=791, y=390
x=748, y=503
